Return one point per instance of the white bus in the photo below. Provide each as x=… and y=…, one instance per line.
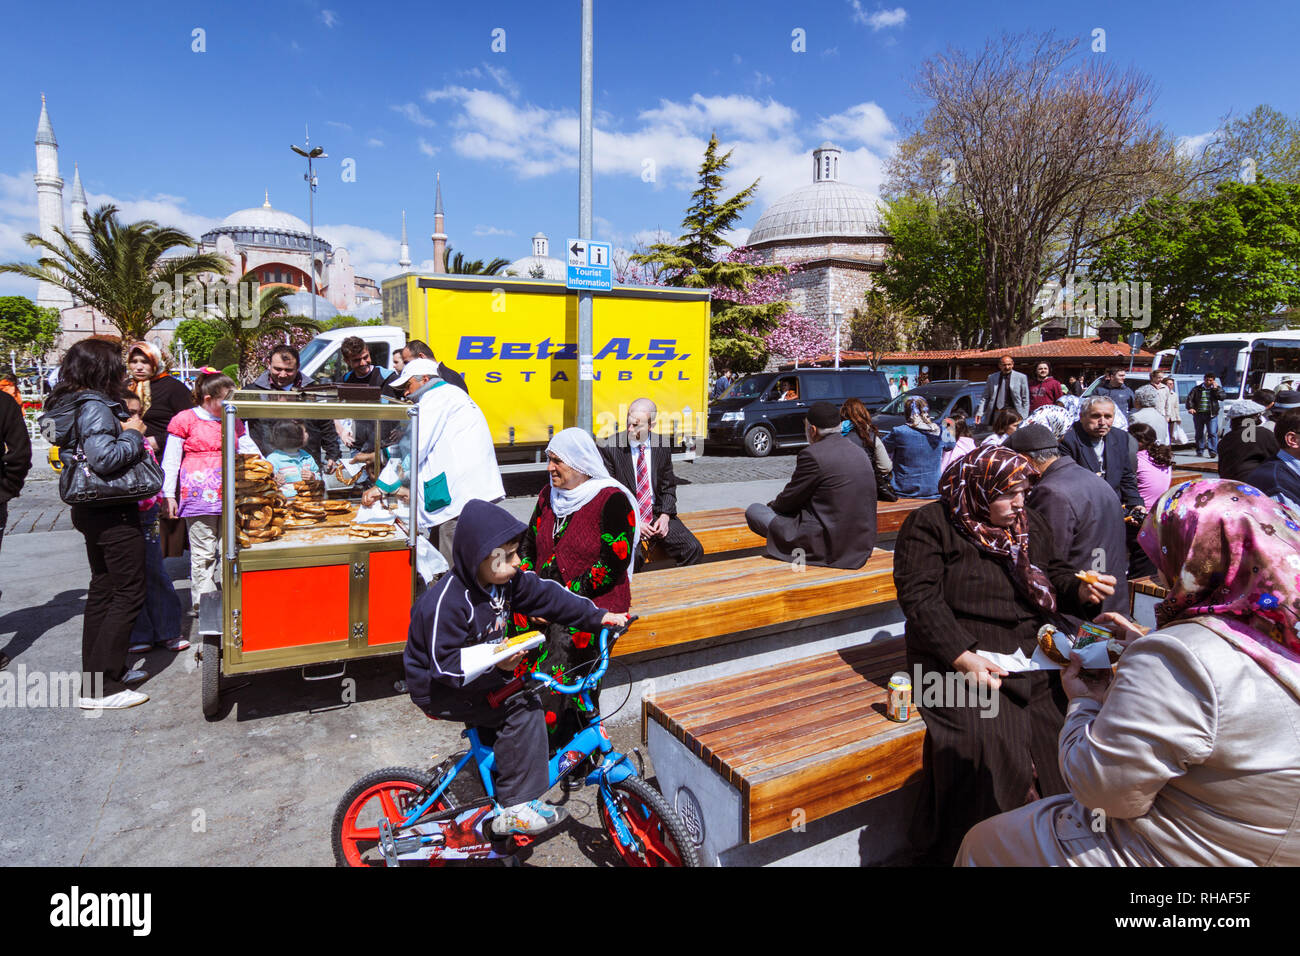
x=1241, y=361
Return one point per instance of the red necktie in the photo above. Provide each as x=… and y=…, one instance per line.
x=643, y=499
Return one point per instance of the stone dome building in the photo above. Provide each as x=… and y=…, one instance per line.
x=541, y=261
x=833, y=230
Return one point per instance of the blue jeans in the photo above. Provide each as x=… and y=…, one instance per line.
x=1207, y=432
x=160, y=618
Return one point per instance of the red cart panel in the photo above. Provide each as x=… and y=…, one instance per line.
x=294, y=607
x=390, y=597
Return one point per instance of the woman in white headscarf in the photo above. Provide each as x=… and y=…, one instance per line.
x=583, y=534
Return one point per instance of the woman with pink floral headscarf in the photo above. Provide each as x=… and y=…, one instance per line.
x=1190, y=755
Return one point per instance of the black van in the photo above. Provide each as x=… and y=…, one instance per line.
x=765, y=411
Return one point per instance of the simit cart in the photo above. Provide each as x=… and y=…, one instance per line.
x=324, y=590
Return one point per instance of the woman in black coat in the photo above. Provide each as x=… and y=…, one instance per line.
x=976, y=570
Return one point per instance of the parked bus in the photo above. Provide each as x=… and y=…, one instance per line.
x=1241, y=361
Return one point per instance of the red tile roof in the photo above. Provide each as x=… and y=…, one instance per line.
x=1067, y=348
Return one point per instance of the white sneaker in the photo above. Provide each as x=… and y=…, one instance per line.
x=529, y=819
x=119, y=701
x=134, y=676
x=141, y=648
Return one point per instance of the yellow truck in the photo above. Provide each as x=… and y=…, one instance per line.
x=515, y=341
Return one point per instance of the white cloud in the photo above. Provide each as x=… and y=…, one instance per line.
x=412, y=112
x=373, y=253
x=1193, y=145
x=337, y=125
x=502, y=77
x=861, y=123
x=742, y=115
x=329, y=18
x=374, y=142
x=492, y=231
x=427, y=148
x=878, y=19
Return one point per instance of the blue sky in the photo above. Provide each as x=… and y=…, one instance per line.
x=408, y=89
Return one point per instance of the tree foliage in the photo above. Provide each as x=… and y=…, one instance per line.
x=26, y=328
x=1215, y=264
x=934, y=268
x=738, y=326
x=1046, y=151
x=1263, y=143
x=459, y=265
x=881, y=326
x=199, y=336
x=117, y=274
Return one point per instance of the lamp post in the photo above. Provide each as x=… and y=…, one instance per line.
x=314, y=153
x=837, y=322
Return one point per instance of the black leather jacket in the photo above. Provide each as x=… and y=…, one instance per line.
x=109, y=450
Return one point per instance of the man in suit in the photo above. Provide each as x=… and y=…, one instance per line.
x=1280, y=477
x=1086, y=519
x=1104, y=450
x=826, y=514
x=1005, y=388
x=648, y=473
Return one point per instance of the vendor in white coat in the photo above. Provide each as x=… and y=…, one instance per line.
x=457, y=459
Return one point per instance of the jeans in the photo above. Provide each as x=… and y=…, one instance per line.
x=1207, y=432
x=115, y=549
x=160, y=618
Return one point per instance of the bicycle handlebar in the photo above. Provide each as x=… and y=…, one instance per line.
x=592, y=679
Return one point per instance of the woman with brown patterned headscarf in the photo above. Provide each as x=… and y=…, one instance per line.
x=977, y=571
x=163, y=397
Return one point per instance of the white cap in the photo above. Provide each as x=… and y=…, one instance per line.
x=420, y=366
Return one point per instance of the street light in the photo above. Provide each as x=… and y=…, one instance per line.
x=837, y=322
x=314, y=153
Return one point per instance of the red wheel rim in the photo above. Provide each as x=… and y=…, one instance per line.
x=357, y=839
x=646, y=827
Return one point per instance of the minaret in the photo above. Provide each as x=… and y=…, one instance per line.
x=439, y=237
x=78, y=231
x=404, y=259
x=541, y=245
x=49, y=203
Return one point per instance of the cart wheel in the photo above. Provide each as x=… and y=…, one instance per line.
x=211, y=674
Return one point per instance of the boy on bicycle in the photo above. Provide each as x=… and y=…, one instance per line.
x=470, y=606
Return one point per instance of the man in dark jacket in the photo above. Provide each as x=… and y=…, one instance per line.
x=1087, y=521
x=826, y=514
x=1280, y=478
x=17, y=459
x=284, y=375
x=1248, y=443
x=644, y=465
x=1104, y=450
x=415, y=349
x=449, y=670
x=1203, y=402
x=1113, y=387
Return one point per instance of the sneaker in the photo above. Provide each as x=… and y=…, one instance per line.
x=119, y=701
x=177, y=644
x=134, y=676
x=141, y=648
x=529, y=818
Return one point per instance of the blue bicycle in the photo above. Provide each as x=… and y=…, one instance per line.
x=400, y=815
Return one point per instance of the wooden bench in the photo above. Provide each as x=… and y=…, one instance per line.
x=723, y=531
x=1195, y=469
x=764, y=753
x=1143, y=596
x=723, y=600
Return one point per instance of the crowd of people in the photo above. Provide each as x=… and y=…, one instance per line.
x=1044, y=523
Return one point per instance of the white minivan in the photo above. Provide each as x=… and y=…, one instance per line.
x=322, y=357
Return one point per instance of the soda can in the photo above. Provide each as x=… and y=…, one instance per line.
x=899, y=706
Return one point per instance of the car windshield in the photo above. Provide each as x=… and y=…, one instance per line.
x=1195, y=359
x=751, y=386
x=936, y=396
x=309, y=350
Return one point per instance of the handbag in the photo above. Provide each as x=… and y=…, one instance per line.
x=79, y=484
x=884, y=485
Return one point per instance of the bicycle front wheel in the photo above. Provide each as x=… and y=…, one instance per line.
x=660, y=834
x=389, y=792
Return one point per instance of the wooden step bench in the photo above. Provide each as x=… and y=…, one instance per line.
x=765, y=753
x=723, y=531
x=1143, y=596
x=1196, y=469
x=723, y=600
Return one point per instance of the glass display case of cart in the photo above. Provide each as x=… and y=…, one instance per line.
x=319, y=529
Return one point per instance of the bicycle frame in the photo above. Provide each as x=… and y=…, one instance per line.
x=589, y=740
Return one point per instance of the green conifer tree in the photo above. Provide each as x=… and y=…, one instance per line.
x=699, y=259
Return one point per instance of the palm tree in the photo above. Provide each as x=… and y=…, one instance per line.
x=246, y=322
x=117, y=274
x=459, y=265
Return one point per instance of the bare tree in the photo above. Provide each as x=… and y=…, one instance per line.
x=1048, y=151
x=878, y=327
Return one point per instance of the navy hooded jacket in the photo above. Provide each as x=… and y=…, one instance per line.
x=457, y=612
